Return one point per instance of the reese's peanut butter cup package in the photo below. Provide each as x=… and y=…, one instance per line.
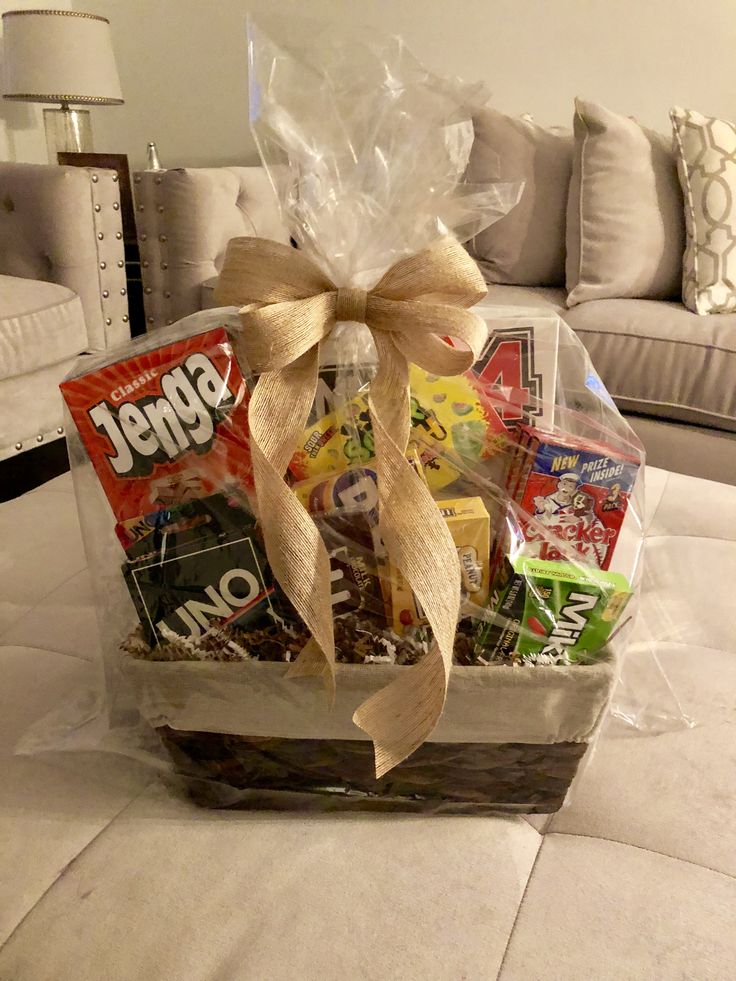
x=165, y=426
x=469, y=524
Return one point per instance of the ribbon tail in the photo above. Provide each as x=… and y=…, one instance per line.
x=401, y=716
x=278, y=413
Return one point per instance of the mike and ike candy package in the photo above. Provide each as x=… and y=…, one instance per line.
x=550, y=612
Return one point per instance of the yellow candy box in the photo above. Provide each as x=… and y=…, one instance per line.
x=445, y=412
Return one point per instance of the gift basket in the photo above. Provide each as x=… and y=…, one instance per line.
x=359, y=540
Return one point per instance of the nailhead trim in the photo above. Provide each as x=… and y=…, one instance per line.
x=98, y=207
x=105, y=294
x=120, y=263
x=115, y=178
x=108, y=321
x=100, y=236
x=19, y=446
x=103, y=265
x=116, y=206
x=125, y=318
x=122, y=292
x=118, y=235
x=60, y=430
x=39, y=438
x=95, y=178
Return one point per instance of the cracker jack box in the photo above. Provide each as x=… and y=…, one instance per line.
x=197, y=579
x=447, y=412
x=550, y=612
x=577, y=489
x=166, y=426
x=470, y=526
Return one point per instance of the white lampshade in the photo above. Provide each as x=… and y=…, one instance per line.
x=59, y=56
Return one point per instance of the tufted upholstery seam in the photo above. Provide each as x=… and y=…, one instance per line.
x=69, y=865
x=542, y=839
x=571, y=834
x=641, y=848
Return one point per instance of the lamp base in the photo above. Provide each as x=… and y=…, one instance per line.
x=67, y=130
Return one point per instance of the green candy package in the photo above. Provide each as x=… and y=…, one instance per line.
x=550, y=612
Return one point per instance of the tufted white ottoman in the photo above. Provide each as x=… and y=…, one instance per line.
x=105, y=877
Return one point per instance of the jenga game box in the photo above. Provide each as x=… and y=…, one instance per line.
x=165, y=426
x=577, y=489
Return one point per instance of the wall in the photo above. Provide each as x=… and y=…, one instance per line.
x=183, y=62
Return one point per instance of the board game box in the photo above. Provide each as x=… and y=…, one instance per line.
x=165, y=426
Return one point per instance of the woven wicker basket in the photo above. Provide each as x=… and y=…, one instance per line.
x=241, y=735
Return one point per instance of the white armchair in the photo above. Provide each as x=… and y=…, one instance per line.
x=185, y=218
x=62, y=289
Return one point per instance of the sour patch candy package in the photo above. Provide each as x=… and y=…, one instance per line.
x=164, y=426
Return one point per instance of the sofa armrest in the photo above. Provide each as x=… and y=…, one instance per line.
x=63, y=225
x=185, y=219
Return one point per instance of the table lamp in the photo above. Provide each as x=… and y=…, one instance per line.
x=65, y=57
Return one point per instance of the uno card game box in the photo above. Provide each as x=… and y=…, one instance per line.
x=577, y=489
x=165, y=426
x=203, y=567
x=550, y=612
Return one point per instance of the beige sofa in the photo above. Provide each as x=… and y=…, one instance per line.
x=62, y=290
x=669, y=370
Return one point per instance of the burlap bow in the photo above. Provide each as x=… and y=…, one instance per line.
x=288, y=308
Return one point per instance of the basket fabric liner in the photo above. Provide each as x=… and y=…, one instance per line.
x=501, y=704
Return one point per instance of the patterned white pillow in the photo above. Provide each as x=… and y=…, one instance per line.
x=706, y=163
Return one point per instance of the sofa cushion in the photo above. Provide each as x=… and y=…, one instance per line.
x=658, y=358
x=706, y=163
x=40, y=324
x=625, y=224
x=526, y=246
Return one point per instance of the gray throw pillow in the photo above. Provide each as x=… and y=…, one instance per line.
x=625, y=224
x=527, y=246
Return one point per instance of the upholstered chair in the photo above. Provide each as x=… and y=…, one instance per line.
x=62, y=290
x=185, y=218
